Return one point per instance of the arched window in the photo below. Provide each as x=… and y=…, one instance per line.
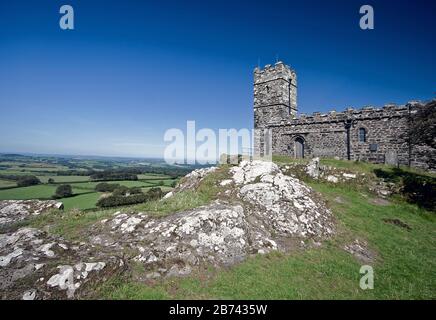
x=362, y=135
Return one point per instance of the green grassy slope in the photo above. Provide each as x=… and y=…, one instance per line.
x=404, y=267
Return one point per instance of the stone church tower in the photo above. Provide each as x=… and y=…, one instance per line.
x=275, y=95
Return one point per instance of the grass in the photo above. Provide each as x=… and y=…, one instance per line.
x=82, y=201
x=41, y=191
x=132, y=291
x=71, y=225
x=25, y=193
x=404, y=268
x=359, y=166
x=286, y=159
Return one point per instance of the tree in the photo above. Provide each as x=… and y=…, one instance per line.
x=26, y=181
x=121, y=191
x=63, y=191
x=154, y=194
x=135, y=190
x=423, y=125
x=50, y=181
x=119, y=200
x=106, y=187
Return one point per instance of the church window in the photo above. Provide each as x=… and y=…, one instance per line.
x=362, y=135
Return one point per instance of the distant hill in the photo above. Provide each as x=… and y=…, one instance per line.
x=11, y=155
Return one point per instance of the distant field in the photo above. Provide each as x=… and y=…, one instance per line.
x=91, y=184
x=15, y=172
x=34, y=192
x=83, y=201
x=85, y=196
x=168, y=183
x=33, y=169
x=7, y=183
x=24, y=193
x=151, y=176
x=27, y=171
x=64, y=179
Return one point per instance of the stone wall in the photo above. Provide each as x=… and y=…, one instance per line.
x=325, y=135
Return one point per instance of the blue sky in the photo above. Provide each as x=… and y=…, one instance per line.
x=132, y=69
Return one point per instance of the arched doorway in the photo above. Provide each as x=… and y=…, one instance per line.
x=299, y=148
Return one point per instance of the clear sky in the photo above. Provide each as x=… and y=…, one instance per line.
x=132, y=69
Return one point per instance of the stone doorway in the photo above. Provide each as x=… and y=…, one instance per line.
x=299, y=148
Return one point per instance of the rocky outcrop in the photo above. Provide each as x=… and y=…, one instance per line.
x=258, y=210
x=16, y=210
x=286, y=205
x=35, y=265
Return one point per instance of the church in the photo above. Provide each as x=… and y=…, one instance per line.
x=378, y=135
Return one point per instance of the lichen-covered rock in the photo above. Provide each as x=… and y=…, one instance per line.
x=35, y=265
x=12, y=211
x=287, y=206
x=248, y=171
x=214, y=233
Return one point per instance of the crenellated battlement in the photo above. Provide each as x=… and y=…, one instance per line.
x=275, y=72
x=364, y=113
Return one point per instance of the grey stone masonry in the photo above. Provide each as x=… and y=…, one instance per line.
x=275, y=94
x=378, y=135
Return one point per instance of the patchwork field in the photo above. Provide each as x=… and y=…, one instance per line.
x=82, y=201
x=33, y=192
x=63, y=179
x=7, y=183
x=91, y=185
x=84, y=194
